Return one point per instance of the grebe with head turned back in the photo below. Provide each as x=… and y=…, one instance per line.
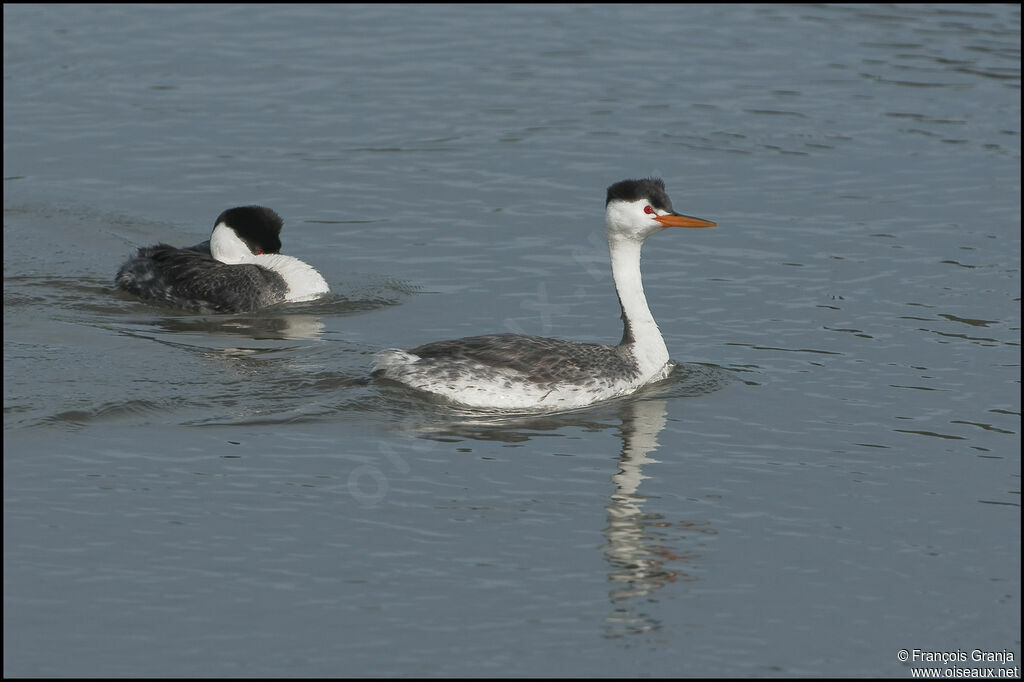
x=518, y=372
x=237, y=270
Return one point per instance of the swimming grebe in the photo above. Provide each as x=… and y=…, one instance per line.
x=237, y=270
x=518, y=372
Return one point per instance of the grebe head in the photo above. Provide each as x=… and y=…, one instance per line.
x=243, y=232
x=636, y=209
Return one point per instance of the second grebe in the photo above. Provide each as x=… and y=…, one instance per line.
x=518, y=372
x=237, y=270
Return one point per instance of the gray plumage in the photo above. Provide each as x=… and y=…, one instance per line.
x=517, y=372
x=192, y=279
x=538, y=359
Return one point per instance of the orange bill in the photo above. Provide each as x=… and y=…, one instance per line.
x=676, y=220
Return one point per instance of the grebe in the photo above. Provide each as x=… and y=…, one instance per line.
x=518, y=372
x=237, y=270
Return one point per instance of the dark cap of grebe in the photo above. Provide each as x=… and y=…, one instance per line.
x=257, y=226
x=652, y=189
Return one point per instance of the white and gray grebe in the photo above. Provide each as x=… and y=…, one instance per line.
x=518, y=372
x=237, y=270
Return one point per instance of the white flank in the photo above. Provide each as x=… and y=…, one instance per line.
x=303, y=281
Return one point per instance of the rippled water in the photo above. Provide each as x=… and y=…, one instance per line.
x=831, y=474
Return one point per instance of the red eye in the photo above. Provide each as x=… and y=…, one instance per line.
x=259, y=252
x=648, y=209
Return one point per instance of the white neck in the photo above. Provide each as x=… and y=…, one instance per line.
x=226, y=247
x=641, y=334
x=303, y=281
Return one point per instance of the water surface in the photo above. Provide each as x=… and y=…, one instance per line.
x=832, y=474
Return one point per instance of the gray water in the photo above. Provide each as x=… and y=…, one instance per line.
x=831, y=475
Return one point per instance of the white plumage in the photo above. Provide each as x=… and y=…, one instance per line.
x=531, y=373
